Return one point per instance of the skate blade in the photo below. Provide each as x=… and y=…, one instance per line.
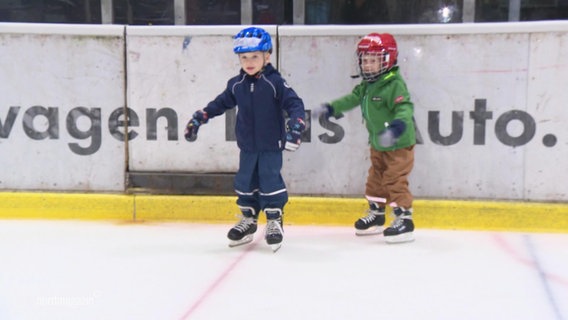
x=401, y=238
x=369, y=232
x=244, y=240
x=275, y=247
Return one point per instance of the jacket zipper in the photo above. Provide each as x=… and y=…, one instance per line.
x=365, y=105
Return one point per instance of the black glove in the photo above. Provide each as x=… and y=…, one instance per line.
x=294, y=134
x=199, y=118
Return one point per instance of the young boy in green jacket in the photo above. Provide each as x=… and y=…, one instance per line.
x=388, y=114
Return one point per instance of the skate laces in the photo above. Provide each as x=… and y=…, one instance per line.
x=370, y=217
x=244, y=224
x=273, y=227
x=399, y=221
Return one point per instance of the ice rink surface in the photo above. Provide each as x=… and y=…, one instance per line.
x=104, y=270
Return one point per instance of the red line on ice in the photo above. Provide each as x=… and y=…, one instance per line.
x=528, y=262
x=217, y=282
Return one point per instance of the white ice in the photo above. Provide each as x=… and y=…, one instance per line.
x=104, y=270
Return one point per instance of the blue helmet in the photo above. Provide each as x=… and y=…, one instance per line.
x=252, y=39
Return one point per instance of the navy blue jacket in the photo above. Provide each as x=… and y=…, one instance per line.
x=263, y=102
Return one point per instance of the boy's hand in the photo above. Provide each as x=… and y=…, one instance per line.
x=199, y=118
x=191, y=130
x=387, y=138
x=294, y=134
x=325, y=110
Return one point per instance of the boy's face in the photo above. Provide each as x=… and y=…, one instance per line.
x=371, y=63
x=253, y=62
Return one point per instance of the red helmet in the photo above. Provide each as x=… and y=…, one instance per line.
x=382, y=45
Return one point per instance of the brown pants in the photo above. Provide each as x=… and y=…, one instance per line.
x=387, y=181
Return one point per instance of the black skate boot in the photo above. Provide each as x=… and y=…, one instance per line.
x=401, y=229
x=274, y=231
x=242, y=232
x=373, y=222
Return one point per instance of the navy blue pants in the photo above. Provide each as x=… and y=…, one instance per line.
x=258, y=182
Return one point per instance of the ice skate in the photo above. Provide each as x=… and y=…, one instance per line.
x=401, y=229
x=274, y=231
x=243, y=232
x=372, y=223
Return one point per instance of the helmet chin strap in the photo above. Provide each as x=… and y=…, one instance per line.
x=371, y=78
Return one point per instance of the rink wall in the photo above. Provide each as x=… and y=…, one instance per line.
x=84, y=106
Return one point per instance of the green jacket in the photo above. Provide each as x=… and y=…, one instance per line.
x=381, y=102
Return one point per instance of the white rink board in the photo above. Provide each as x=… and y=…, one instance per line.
x=446, y=72
x=48, y=73
x=449, y=70
x=502, y=86
x=180, y=69
x=488, y=169
x=547, y=98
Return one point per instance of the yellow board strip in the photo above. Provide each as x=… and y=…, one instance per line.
x=437, y=214
x=16, y=205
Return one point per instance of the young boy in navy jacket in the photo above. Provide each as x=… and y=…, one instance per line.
x=264, y=99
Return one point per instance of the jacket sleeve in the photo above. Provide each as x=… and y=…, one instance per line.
x=403, y=108
x=347, y=102
x=291, y=102
x=223, y=102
